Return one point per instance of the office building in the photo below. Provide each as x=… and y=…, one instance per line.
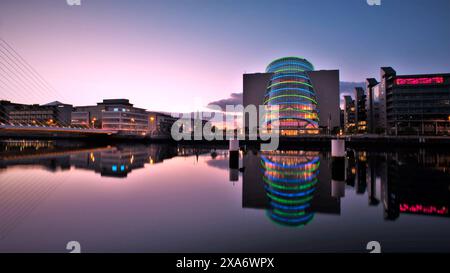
x=415, y=104
x=113, y=114
x=160, y=124
x=51, y=114
x=349, y=115
x=360, y=110
x=87, y=116
x=373, y=107
x=121, y=115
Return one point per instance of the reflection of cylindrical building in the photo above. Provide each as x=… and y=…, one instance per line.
x=290, y=178
x=290, y=89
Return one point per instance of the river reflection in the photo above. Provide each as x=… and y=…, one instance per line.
x=297, y=183
x=54, y=191
x=290, y=178
x=110, y=161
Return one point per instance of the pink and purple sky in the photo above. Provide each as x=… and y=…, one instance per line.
x=173, y=55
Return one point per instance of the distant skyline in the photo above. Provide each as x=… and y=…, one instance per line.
x=177, y=55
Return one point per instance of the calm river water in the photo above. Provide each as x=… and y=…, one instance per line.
x=168, y=198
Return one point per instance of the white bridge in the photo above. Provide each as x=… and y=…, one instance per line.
x=53, y=129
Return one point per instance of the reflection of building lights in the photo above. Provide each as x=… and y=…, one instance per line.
x=290, y=178
x=423, y=209
x=132, y=159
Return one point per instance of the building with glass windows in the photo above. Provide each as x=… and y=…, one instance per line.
x=409, y=104
x=50, y=114
x=307, y=99
x=360, y=110
x=120, y=115
x=349, y=115
x=373, y=107
x=113, y=114
x=291, y=91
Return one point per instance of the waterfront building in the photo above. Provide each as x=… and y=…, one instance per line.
x=160, y=124
x=121, y=115
x=373, y=107
x=360, y=110
x=415, y=104
x=290, y=89
x=349, y=115
x=113, y=114
x=308, y=99
x=87, y=116
x=255, y=86
x=341, y=118
x=51, y=114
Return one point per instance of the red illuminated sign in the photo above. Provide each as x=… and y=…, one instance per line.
x=417, y=81
x=423, y=209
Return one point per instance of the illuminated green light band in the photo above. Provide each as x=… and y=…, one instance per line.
x=281, y=96
x=290, y=202
x=292, y=173
x=297, y=82
x=289, y=69
x=291, y=214
x=281, y=187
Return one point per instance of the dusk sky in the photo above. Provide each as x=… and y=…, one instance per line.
x=172, y=55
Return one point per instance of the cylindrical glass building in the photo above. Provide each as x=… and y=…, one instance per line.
x=291, y=90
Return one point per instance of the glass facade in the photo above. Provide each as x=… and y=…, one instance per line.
x=416, y=104
x=126, y=119
x=291, y=91
x=33, y=114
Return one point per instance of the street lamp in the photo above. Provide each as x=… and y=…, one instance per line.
x=93, y=121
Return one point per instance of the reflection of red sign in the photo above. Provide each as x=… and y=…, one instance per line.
x=423, y=209
x=417, y=81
